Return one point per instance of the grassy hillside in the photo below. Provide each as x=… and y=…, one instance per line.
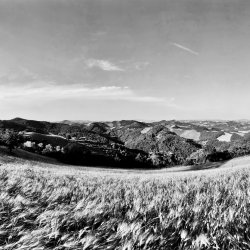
x=95, y=208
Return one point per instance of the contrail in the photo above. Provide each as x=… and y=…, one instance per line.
x=185, y=48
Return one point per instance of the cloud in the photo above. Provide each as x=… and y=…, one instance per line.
x=141, y=65
x=103, y=65
x=20, y=74
x=132, y=64
x=185, y=48
x=50, y=91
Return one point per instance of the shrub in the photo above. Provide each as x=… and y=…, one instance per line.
x=40, y=145
x=197, y=157
x=48, y=149
x=29, y=144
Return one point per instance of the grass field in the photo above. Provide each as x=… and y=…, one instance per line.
x=47, y=205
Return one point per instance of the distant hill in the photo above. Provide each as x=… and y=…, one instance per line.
x=70, y=122
x=170, y=140
x=195, y=130
x=43, y=127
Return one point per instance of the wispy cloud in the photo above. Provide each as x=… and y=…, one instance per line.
x=185, y=48
x=51, y=91
x=103, y=65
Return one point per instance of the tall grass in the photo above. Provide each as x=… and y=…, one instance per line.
x=40, y=209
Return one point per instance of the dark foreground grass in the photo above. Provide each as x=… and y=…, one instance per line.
x=44, y=210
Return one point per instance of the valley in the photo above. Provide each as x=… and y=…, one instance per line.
x=134, y=144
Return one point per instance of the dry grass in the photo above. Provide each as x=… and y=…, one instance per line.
x=44, y=208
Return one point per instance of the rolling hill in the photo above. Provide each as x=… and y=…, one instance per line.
x=163, y=143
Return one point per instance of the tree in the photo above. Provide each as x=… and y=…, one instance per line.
x=10, y=139
x=68, y=137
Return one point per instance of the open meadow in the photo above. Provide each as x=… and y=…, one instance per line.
x=47, y=205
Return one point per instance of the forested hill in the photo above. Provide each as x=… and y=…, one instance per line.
x=163, y=143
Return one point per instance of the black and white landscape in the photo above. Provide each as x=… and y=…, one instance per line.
x=130, y=143
x=124, y=124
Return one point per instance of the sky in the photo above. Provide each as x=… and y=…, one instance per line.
x=124, y=59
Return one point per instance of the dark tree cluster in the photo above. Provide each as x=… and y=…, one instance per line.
x=10, y=138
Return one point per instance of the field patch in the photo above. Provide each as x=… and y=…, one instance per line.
x=226, y=137
x=46, y=206
x=191, y=134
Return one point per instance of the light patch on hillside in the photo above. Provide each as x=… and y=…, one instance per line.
x=240, y=133
x=58, y=136
x=244, y=132
x=50, y=135
x=191, y=134
x=145, y=130
x=226, y=137
x=238, y=162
